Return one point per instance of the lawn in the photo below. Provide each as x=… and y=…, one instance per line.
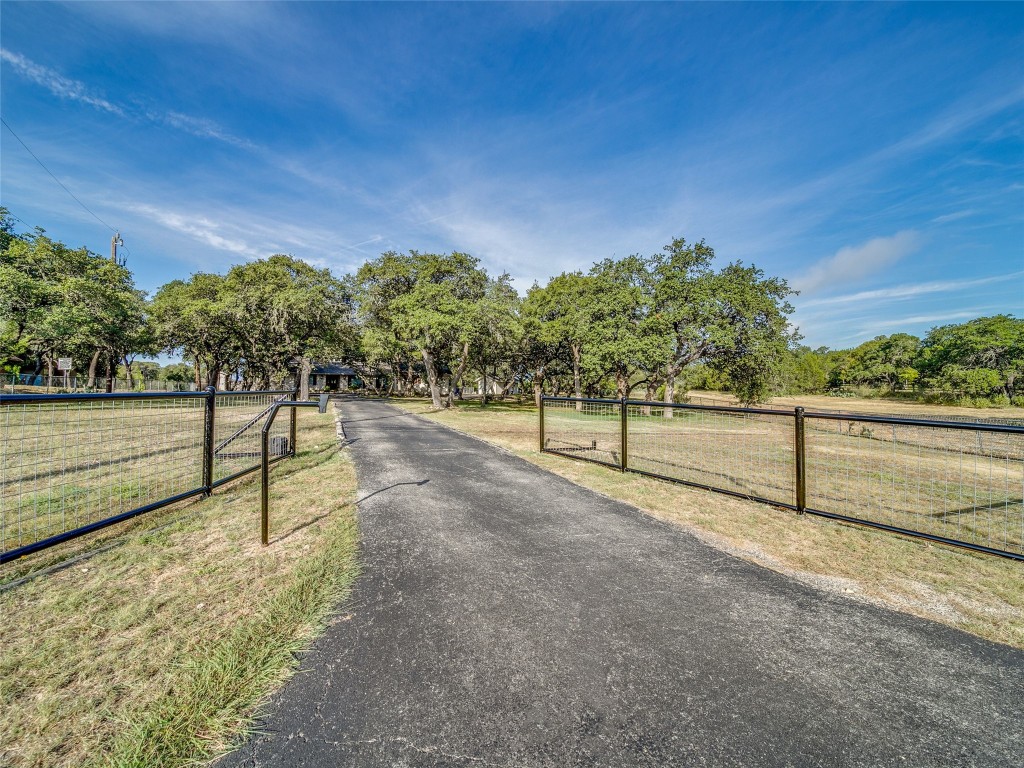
x=979, y=593
x=156, y=647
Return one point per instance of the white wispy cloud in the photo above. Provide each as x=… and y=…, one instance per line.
x=907, y=291
x=75, y=90
x=897, y=322
x=858, y=261
x=203, y=128
x=56, y=83
x=956, y=119
x=908, y=322
x=201, y=229
x=955, y=216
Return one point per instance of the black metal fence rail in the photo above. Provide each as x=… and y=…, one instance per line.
x=953, y=482
x=71, y=464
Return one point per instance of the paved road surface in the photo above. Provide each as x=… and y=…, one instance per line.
x=507, y=617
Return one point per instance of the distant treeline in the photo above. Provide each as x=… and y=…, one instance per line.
x=977, y=363
x=650, y=326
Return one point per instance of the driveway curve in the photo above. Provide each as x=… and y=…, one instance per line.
x=507, y=617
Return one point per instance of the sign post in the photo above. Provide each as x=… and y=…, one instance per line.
x=65, y=364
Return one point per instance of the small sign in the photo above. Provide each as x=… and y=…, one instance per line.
x=64, y=364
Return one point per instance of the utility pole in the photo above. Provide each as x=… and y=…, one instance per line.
x=112, y=366
x=114, y=242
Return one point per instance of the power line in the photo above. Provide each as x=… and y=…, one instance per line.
x=18, y=218
x=101, y=221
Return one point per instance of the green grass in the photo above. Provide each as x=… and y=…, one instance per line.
x=156, y=648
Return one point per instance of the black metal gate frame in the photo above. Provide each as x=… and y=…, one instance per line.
x=799, y=415
x=209, y=395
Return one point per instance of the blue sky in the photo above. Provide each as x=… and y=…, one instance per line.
x=872, y=154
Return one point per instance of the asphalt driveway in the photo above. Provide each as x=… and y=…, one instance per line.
x=507, y=617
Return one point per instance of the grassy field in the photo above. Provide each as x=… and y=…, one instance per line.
x=155, y=648
x=959, y=484
x=68, y=464
x=979, y=593
x=878, y=405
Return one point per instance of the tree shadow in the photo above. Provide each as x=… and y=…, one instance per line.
x=393, y=485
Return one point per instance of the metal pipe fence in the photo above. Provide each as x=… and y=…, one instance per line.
x=947, y=481
x=28, y=383
x=71, y=464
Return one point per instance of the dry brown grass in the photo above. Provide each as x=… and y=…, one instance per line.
x=978, y=593
x=956, y=483
x=66, y=464
x=112, y=641
x=882, y=405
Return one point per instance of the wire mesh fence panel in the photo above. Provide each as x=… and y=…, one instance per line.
x=38, y=384
x=66, y=464
x=238, y=419
x=961, y=484
x=586, y=430
x=751, y=454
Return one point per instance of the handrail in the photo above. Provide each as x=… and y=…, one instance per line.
x=800, y=468
x=830, y=415
x=238, y=432
x=78, y=396
x=265, y=458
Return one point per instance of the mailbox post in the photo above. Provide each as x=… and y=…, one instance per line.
x=265, y=457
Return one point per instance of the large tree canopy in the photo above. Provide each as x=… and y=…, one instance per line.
x=255, y=322
x=658, y=324
x=57, y=301
x=980, y=357
x=424, y=304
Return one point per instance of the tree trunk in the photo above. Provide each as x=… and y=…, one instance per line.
x=111, y=371
x=128, y=373
x=622, y=384
x=410, y=380
x=93, y=363
x=538, y=384
x=670, y=391
x=650, y=391
x=305, y=367
x=577, y=385
x=456, y=379
x=435, y=389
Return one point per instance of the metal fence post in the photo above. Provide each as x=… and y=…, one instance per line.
x=293, y=427
x=211, y=404
x=801, y=467
x=541, y=411
x=624, y=435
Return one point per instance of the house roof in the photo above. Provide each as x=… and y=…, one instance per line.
x=332, y=369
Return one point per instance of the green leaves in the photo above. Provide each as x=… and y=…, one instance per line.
x=980, y=357
x=59, y=301
x=434, y=306
x=255, y=319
